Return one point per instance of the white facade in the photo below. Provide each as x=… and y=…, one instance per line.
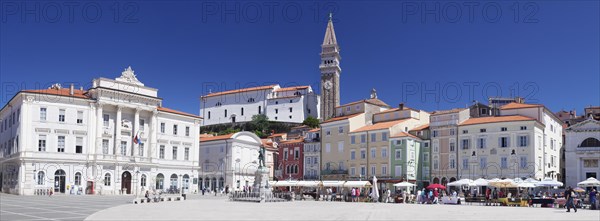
x=582, y=151
x=289, y=104
x=551, y=135
x=312, y=155
x=230, y=160
x=74, y=141
x=502, y=150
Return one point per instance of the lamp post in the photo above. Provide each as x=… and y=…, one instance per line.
x=137, y=177
x=181, y=185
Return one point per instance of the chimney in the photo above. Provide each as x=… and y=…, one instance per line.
x=72, y=90
x=401, y=106
x=81, y=88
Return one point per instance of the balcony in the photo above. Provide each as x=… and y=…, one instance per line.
x=443, y=123
x=311, y=177
x=332, y=172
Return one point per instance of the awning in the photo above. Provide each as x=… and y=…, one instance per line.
x=357, y=184
x=332, y=183
x=308, y=183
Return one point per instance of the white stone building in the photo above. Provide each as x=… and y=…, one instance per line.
x=230, y=160
x=287, y=104
x=72, y=141
x=582, y=150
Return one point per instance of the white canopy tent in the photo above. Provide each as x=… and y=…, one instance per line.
x=404, y=184
x=332, y=183
x=590, y=182
x=285, y=183
x=358, y=184
x=462, y=182
x=548, y=182
x=526, y=185
x=505, y=183
x=481, y=182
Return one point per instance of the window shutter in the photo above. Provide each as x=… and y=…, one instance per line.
x=508, y=142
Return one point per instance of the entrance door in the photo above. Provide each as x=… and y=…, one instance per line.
x=126, y=182
x=59, y=181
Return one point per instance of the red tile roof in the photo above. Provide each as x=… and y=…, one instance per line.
x=168, y=110
x=278, y=135
x=455, y=110
x=291, y=141
x=497, y=119
x=422, y=127
x=373, y=101
x=404, y=134
x=514, y=105
x=220, y=137
x=291, y=88
x=60, y=92
x=379, y=126
x=241, y=90
x=341, y=118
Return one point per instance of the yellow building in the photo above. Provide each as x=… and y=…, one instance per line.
x=369, y=146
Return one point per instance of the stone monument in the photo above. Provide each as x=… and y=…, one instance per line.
x=261, y=178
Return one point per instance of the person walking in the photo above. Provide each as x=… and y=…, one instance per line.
x=353, y=194
x=435, y=196
x=569, y=195
x=488, y=193
x=593, y=201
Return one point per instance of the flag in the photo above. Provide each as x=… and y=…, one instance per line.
x=136, y=140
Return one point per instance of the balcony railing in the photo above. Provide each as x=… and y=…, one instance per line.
x=329, y=172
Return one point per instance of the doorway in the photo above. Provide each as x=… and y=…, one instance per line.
x=126, y=182
x=59, y=181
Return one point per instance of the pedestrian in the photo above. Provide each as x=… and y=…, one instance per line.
x=570, y=194
x=593, y=201
x=388, y=195
x=488, y=193
x=357, y=194
x=435, y=196
x=50, y=192
x=203, y=191
x=227, y=190
x=494, y=196
x=353, y=194
x=147, y=196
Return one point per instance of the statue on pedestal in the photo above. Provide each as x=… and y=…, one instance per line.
x=261, y=157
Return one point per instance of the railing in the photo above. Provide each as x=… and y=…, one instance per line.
x=258, y=197
x=328, y=172
x=444, y=123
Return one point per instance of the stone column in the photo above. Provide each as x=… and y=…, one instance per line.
x=152, y=145
x=117, y=146
x=136, y=129
x=99, y=128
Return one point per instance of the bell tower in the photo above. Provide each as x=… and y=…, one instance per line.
x=330, y=72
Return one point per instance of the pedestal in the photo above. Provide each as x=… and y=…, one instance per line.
x=261, y=185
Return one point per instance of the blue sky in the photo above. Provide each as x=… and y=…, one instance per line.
x=547, y=51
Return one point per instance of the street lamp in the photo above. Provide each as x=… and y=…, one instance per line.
x=137, y=177
x=181, y=185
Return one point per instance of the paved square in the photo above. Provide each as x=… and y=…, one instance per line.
x=221, y=209
x=57, y=207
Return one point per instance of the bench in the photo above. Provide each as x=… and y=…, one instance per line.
x=161, y=199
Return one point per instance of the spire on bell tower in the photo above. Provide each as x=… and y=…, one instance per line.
x=330, y=72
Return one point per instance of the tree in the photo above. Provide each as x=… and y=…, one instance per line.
x=260, y=122
x=311, y=122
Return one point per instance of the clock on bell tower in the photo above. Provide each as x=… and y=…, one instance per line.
x=330, y=73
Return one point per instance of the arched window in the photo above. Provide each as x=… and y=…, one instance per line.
x=78, y=179
x=590, y=142
x=143, y=180
x=107, y=179
x=160, y=178
x=41, y=178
